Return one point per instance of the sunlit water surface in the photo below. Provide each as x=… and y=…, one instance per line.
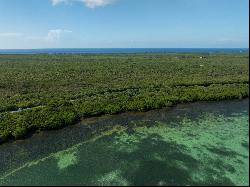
x=204, y=143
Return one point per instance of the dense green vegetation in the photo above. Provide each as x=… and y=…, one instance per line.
x=40, y=92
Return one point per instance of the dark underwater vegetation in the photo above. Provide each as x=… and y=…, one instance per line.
x=203, y=143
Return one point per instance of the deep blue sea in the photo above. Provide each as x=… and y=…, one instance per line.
x=118, y=50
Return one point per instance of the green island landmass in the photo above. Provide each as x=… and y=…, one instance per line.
x=43, y=92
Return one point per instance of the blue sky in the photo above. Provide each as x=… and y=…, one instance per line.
x=123, y=23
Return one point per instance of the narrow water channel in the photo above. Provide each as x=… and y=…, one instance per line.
x=204, y=143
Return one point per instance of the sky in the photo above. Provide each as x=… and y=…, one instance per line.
x=28, y=24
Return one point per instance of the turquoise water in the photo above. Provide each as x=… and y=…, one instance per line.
x=203, y=143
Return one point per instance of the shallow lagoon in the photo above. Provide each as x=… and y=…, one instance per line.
x=204, y=143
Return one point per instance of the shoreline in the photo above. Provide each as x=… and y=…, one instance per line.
x=96, y=117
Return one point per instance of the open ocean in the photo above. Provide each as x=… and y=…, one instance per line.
x=118, y=50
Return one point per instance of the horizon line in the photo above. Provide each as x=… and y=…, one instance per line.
x=126, y=48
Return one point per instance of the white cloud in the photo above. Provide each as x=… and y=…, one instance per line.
x=52, y=36
x=10, y=34
x=56, y=2
x=55, y=35
x=95, y=3
x=87, y=3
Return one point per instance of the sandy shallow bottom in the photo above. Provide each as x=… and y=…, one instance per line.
x=204, y=143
